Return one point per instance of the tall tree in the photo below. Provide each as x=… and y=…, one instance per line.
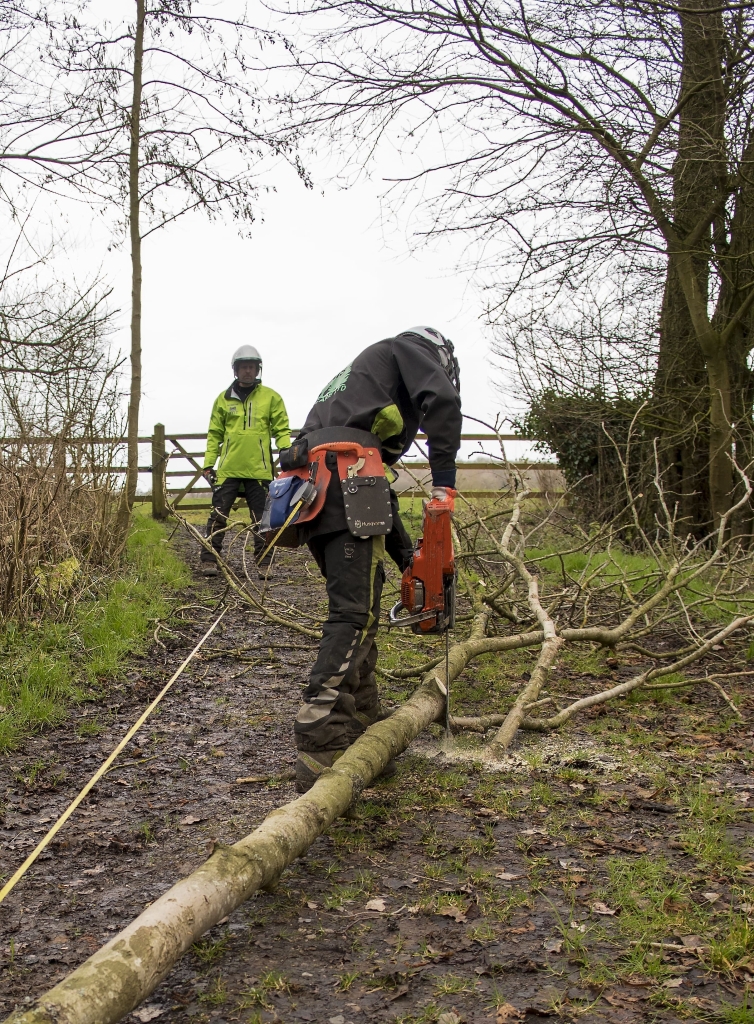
x=172, y=95
x=597, y=145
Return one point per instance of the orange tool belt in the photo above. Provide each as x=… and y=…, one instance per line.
x=366, y=492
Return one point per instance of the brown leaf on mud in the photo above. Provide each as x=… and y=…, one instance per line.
x=376, y=904
x=507, y=1013
x=507, y=876
x=95, y=870
x=602, y=908
x=401, y=991
x=449, y=1017
x=455, y=912
x=147, y=1013
x=191, y=819
x=521, y=931
x=552, y=945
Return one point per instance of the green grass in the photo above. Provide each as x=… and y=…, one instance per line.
x=46, y=666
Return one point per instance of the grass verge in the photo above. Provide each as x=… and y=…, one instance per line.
x=45, y=666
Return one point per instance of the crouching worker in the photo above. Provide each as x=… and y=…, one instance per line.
x=368, y=415
x=244, y=420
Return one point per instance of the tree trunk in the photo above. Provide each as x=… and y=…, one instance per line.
x=720, y=434
x=690, y=376
x=132, y=475
x=132, y=964
x=737, y=284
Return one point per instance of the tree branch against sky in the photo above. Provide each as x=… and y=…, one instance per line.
x=174, y=124
x=582, y=144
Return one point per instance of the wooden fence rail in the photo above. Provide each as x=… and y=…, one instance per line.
x=161, y=457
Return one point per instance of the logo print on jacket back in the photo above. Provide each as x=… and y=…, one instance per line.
x=338, y=383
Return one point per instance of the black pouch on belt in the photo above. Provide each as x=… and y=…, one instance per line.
x=296, y=456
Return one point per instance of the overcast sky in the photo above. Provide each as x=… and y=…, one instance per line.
x=323, y=276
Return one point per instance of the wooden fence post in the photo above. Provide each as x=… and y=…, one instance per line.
x=159, y=461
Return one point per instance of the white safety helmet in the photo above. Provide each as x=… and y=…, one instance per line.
x=444, y=349
x=243, y=353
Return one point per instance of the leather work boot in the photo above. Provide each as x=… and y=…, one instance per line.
x=209, y=568
x=309, y=767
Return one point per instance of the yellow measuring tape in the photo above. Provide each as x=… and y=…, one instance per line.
x=286, y=523
x=103, y=768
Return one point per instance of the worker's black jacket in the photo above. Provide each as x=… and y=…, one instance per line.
x=392, y=389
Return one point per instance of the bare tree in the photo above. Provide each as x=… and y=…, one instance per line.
x=156, y=117
x=171, y=93
x=596, y=146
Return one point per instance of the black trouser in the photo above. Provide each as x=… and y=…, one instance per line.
x=255, y=492
x=341, y=699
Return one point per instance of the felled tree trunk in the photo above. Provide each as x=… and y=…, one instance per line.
x=123, y=972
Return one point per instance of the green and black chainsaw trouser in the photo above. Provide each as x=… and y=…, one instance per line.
x=223, y=497
x=341, y=699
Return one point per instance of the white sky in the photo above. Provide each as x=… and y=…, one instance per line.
x=321, y=278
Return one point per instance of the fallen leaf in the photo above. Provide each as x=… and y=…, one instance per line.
x=578, y=927
x=94, y=871
x=312, y=905
x=672, y=983
x=711, y=897
x=455, y=912
x=399, y=883
x=508, y=1012
x=521, y=931
x=191, y=819
x=401, y=991
x=691, y=941
x=552, y=945
x=147, y=1013
x=449, y=1018
x=414, y=910
x=377, y=904
x=602, y=908
x=340, y=1019
x=507, y=876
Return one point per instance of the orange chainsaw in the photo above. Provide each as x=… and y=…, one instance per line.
x=428, y=585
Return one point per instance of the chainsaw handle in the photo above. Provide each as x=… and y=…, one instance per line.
x=407, y=620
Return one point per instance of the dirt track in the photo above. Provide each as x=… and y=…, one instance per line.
x=449, y=934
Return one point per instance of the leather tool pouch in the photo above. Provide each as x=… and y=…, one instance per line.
x=285, y=490
x=367, y=504
x=366, y=492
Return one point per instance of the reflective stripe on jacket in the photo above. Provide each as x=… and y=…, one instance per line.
x=240, y=433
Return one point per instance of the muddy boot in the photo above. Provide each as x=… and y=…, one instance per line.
x=310, y=766
x=208, y=568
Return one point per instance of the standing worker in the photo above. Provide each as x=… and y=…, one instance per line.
x=244, y=420
x=391, y=390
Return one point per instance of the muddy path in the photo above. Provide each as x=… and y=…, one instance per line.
x=596, y=876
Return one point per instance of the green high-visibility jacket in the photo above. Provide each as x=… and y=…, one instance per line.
x=240, y=433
